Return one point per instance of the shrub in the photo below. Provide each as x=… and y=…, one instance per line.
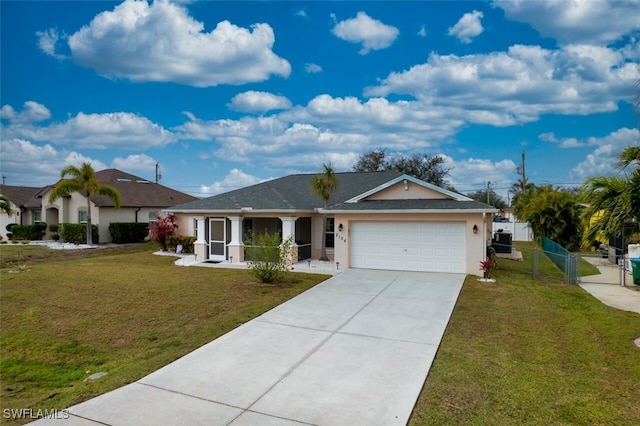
x=268, y=256
x=54, y=228
x=162, y=228
x=185, y=240
x=10, y=226
x=28, y=232
x=77, y=233
x=129, y=232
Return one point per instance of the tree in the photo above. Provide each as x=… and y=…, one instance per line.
x=162, y=228
x=494, y=199
x=429, y=168
x=83, y=180
x=551, y=212
x=5, y=205
x=324, y=185
x=612, y=201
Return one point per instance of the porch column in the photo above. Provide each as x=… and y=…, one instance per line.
x=289, y=231
x=200, y=244
x=236, y=246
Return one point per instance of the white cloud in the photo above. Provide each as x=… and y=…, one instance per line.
x=48, y=41
x=312, y=68
x=471, y=174
x=235, y=179
x=371, y=33
x=253, y=101
x=577, y=21
x=32, y=112
x=517, y=86
x=25, y=163
x=160, y=42
x=468, y=27
x=109, y=130
x=134, y=162
x=422, y=32
x=77, y=159
x=602, y=161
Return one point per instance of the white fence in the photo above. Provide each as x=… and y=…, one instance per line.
x=520, y=231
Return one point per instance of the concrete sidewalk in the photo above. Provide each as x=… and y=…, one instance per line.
x=607, y=287
x=354, y=350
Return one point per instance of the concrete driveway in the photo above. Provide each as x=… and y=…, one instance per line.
x=354, y=350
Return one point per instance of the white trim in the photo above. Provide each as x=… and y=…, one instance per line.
x=408, y=211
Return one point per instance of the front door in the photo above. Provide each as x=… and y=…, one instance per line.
x=217, y=236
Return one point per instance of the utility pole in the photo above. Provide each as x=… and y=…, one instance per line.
x=488, y=190
x=3, y=179
x=158, y=175
x=521, y=171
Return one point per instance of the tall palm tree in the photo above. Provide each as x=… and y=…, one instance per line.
x=83, y=180
x=324, y=185
x=612, y=201
x=5, y=205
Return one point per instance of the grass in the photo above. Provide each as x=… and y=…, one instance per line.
x=520, y=351
x=525, y=351
x=124, y=311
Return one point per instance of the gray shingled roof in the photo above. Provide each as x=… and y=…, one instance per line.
x=291, y=192
x=138, y=192
x=294, y=193
x=21, y=196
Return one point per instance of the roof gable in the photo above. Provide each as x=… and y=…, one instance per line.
x=407, y=187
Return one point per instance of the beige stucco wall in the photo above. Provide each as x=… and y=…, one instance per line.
x=413, y=191
x=475, y=243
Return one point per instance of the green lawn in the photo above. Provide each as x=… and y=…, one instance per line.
x=525, y=351
x=127, y=313
x=520, y=351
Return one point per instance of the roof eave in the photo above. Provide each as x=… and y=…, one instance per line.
x=407, y=211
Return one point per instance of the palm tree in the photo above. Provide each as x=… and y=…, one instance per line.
x=612, y=201
x=84, y=180
x=5, y=205
x=324, y=185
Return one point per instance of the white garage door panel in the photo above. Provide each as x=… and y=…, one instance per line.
x=409, y=246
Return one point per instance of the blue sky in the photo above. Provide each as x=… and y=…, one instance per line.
x=226, y=94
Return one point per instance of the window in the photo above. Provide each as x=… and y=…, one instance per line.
x=82, y=216
x=329, y=235
x=153, y=216
x=37, y=216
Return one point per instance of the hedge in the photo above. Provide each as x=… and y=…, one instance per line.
x=28, y=232
x=77, y=233
x=128, y=232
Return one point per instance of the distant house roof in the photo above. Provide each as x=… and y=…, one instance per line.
x=138, y=192
x=293, y=193
x=22, y=196
x=135, y=192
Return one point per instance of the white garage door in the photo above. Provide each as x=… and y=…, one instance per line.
x=409, y=246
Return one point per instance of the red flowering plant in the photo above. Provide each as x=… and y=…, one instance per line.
x=486, y=266
x=162, y=228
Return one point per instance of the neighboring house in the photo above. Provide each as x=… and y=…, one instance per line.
x=142, y=200
x=378, y=220
x=25, y=206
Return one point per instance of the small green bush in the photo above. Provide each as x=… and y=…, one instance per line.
x=187, y=242
x=128, y=232
x=77, y=233
x=268, y=256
